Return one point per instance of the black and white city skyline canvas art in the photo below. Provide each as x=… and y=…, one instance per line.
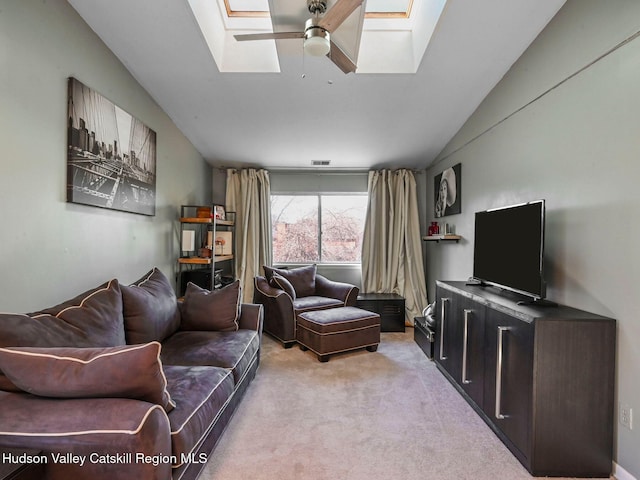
x=111, y=160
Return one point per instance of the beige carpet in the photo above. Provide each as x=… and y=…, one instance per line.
x=383, y=415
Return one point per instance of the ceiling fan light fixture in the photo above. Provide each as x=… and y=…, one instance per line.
x=317, y=42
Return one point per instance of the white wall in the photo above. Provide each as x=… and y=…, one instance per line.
x=51, y=249
x=578, y=147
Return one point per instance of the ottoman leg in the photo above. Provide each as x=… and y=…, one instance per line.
x=323, y=358
x=372, y=348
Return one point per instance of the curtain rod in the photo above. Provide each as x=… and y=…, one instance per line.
x=310, y=171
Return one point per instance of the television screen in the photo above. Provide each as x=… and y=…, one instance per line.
x=509, y=248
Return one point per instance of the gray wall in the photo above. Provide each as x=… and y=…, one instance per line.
x=578, y=147
x=52, y=249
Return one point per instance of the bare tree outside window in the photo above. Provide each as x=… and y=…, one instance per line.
x=298, y=238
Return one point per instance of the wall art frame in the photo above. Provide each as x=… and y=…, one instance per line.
x=447, y=192
x=111, y=155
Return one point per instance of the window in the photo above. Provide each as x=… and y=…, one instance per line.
x=317, y=228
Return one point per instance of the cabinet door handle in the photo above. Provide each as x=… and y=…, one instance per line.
x=443, y=315
x=498, y=413
x=465, y=342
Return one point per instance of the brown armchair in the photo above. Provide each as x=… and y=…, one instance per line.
x=286, y=293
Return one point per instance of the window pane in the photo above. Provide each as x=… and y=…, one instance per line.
x=342, y=227
x=294, y=221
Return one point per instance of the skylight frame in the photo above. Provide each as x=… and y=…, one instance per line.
x=265, y=13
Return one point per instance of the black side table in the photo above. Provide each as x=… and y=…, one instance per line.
x=390, y=307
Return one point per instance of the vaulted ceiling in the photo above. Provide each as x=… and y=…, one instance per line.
x=309, y=110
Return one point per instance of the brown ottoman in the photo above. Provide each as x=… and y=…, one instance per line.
x=335, y=330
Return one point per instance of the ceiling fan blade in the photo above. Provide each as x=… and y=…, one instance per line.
x=268, y=36
x=340, y=58
x=338, y=14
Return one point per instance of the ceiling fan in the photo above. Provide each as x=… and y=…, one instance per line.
x=317, y=31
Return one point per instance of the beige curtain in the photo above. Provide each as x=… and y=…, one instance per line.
x=391, y=247
x=249, y=195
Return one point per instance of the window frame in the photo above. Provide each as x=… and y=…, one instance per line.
x=319, y=232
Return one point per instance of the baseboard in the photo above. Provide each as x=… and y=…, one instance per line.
x=621, y=474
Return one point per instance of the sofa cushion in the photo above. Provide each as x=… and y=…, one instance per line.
x=150, y=308
x=303, y=279
x=115, y=372
x=216, y=310
x=278, y=281
x=304, y=304
x=200, y=394
x=92, y=319
x=232, y=350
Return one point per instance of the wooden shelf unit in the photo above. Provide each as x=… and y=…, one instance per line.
x=202, y=270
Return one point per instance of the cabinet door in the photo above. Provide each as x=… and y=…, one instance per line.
x=449, y=333
x=509, y=377
x=472, y=349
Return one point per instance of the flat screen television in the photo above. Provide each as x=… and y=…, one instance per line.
x=509, y=248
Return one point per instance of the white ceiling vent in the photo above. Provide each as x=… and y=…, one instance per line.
x=320, y=163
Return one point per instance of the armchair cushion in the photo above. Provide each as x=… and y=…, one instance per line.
x=216, y=310
x=150, y=308
x=313, y=302
x=303, y=279
x=132, y=371
x=278, y=281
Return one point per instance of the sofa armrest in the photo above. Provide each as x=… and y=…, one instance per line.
x=341, y=291
x=251, y=317
x=97, y=431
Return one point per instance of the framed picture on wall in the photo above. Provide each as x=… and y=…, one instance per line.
x=447, y=192
x=111, y=155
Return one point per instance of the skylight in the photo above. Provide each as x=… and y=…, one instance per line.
x=394, y=38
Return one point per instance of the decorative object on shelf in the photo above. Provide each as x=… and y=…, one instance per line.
x=447, y=186
x=218, y=246
x=224, y=239
x=188, y=241
x=111, y=155
x=203, y=212
x=204, y=252
x=433, y=229
x=219, y=213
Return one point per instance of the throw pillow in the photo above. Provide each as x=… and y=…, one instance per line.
x=216, y=310
x=132, y=371
x=92, y=319
x=278, y=281
x=150, y=308
x=303, y=279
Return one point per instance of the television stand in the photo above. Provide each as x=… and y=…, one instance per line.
x=538, y=302
x=532, y=370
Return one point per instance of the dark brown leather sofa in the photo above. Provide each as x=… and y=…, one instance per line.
x=285, y=293
x=204, y=367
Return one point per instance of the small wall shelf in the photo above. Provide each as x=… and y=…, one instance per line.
x=445, y=238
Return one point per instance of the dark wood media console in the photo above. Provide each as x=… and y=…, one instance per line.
x=541, y=377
